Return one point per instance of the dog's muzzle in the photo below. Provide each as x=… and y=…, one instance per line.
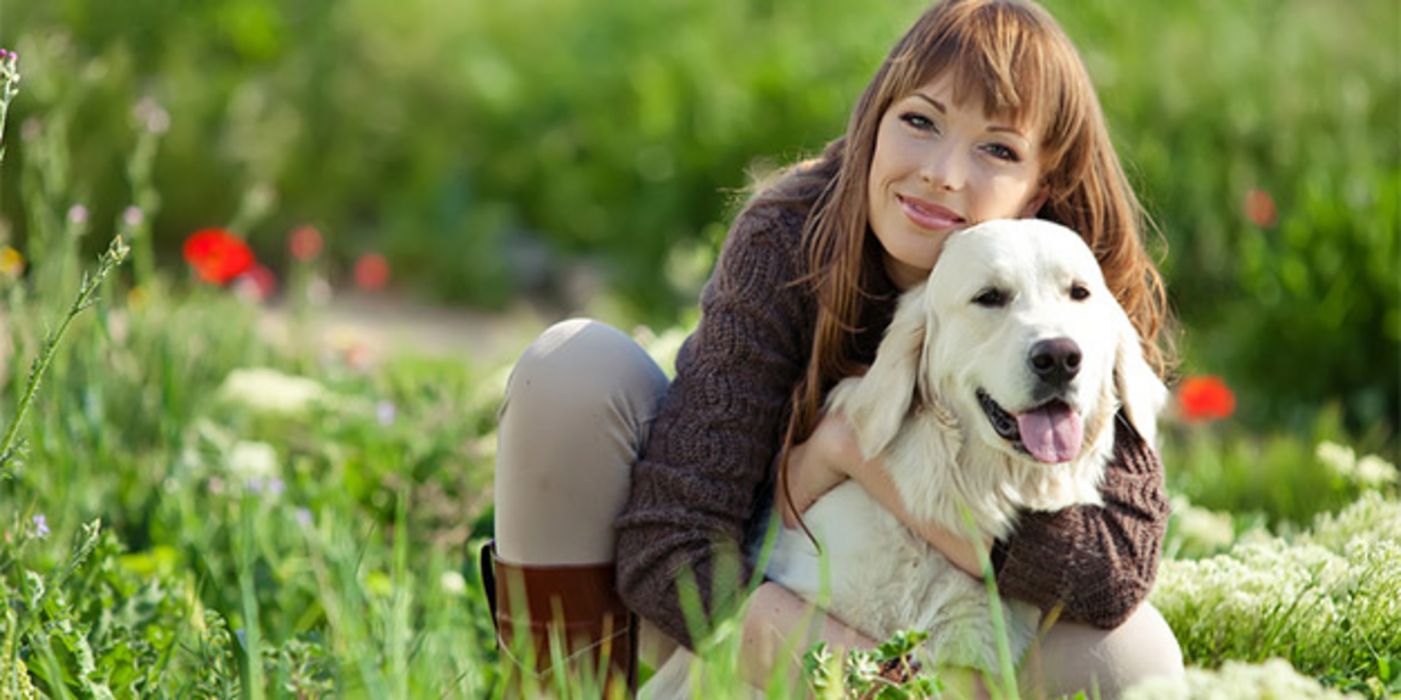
x=1050, y=433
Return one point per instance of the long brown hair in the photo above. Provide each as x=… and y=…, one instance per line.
x=1015, y=56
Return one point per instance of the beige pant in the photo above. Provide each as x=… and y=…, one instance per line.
x=579, y=405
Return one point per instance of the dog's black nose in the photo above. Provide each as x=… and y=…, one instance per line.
x=1055, y=361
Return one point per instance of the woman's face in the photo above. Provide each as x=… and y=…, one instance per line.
x=941, y=166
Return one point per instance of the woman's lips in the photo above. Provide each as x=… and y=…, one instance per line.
x=929, y=215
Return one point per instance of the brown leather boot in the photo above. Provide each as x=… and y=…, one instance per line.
x=576, y=605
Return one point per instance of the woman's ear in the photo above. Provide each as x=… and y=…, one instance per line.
x=878, y=401
x=1037, y=201
x=1141, y=393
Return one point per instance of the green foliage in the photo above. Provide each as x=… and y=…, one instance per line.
x=116, y=253
x=1278, y=477
x=482, y=128
x=292, y=528
x=207, y=544
x=513, y=135
x=1326, y=600
x=1298, y=100
x=319, y=546
x=861, y=671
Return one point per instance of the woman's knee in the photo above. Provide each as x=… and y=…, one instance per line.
x=579, y=362
x=1075, y=657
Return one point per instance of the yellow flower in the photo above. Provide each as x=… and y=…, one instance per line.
x=11, y=262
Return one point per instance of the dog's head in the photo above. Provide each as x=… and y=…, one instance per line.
x=1016, y=332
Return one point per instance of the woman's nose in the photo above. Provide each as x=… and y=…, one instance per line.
x=944, y=169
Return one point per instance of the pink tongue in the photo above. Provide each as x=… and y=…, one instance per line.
x=1051, y=433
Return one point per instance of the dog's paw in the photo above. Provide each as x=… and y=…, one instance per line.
x=966, y=643
x=970, y=640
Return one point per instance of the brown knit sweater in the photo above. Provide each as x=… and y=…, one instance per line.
x=707, y=469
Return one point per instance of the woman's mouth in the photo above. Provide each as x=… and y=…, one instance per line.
x=928, y=215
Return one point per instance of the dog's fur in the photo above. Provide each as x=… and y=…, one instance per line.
x=918, y=406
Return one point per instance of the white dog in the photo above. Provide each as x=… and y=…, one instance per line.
x=994, y=389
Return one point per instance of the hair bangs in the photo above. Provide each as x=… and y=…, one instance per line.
x=1011, y=57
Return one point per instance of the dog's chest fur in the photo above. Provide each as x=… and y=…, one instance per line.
x=881, y=578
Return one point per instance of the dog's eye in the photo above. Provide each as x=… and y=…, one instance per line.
x=1079, y=292
x=992, y=298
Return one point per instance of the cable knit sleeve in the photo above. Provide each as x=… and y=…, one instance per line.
x=719, y=425
x=1098, y=562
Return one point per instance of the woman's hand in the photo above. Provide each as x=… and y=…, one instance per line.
x=828, y=457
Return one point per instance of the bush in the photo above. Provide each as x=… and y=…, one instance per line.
x=482, y=145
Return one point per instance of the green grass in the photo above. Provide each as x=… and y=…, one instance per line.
x=209, y=539
x=193, y=509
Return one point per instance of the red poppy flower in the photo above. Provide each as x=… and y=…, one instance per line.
x=1205, y=398
x=371, y=272
x=218, y=256
x=305, y=243
x=1260, y=208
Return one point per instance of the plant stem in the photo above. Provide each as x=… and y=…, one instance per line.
x=87, y=293
x=9, y=79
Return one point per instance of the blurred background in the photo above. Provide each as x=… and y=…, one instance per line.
x=560, y=150
x=213, y=474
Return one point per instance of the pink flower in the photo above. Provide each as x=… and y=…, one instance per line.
x=259, y=283
x=371, y=272
x=1260, y=208
x=305, y=243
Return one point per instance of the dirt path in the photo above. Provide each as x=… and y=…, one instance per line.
x=383, y=325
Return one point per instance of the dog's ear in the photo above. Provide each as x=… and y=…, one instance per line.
x=878, y=404
x=1142, y=394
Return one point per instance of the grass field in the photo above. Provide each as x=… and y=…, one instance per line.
x=190, y=507
x=199, y=512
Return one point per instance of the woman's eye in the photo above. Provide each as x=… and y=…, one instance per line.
x=1079, y=292
x=992, y=298
x=1003, y=153
x=918, y=121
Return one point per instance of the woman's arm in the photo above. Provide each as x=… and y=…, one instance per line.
x=830, y=456
x=707, y=463
x=780, y=627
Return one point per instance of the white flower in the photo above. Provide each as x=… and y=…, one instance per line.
x=151, y=115
x=268, y=391
x=252, y=462
x=1199, y=530
x=1338, y=458
x=453, y=583
x=1235, y=681
x=1373, y=471
x=1333, y=588
x=1369, y=472
x=1371, y=517
x=385, y=412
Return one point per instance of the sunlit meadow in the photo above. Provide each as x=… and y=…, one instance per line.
x=196, y=503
